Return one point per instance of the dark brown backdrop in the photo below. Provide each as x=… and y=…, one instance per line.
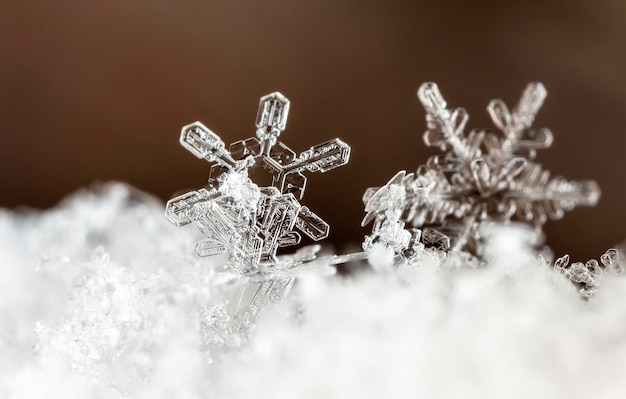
x=98, y=90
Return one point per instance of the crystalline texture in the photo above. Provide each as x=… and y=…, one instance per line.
x=481, y=176
x=586, y=276
x=228, y=326
x=249, y=222
x=246, y=221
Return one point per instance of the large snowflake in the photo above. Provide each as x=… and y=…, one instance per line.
x=481, y=177
x=249, y=220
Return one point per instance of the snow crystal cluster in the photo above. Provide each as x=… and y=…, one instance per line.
x=101, y=297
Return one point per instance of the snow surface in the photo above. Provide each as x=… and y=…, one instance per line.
x=101, y=297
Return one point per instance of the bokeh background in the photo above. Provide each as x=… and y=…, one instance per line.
x=98, y=90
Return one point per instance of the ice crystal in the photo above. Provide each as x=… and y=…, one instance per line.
x=249, y=221
x=586, y=276
x=481, y=177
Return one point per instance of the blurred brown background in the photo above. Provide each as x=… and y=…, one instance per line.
x=98, y=90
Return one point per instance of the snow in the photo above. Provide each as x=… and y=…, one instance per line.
x=101, y=297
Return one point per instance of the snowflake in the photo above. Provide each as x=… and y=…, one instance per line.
x=481, y=177
x=249, y=221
